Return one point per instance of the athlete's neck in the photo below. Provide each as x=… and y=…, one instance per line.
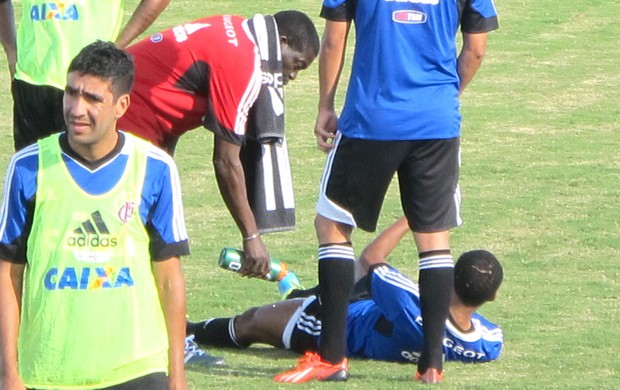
x=94, y=164
x=460, y=314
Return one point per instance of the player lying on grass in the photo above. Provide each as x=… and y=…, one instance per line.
x=384, y=319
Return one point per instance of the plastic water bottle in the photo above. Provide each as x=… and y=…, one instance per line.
x=232, y=260
x=289, y=283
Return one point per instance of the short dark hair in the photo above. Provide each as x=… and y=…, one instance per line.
x=477, y=276
x=299, y=30
x=106, y=61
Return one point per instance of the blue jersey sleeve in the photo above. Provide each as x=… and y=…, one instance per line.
x=18, y=204
x=395, y=294
x=338, y=10
x=479, y=16
x=162, y=208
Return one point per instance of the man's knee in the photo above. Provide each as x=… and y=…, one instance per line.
x=245, y=324
x=432, y=241
x=329, y=231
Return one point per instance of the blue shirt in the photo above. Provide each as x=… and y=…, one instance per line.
x=404, y=81
x=165, y=224
x=389, y=326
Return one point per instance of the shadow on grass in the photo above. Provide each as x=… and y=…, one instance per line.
x=251, y=362
x=265, y=362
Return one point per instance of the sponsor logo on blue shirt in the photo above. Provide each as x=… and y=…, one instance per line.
x=409, y=17
x=461, y=350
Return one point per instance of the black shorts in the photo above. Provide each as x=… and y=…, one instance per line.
x=154, y=381
x=37, y=112
x=303, y=329
x=358, y=174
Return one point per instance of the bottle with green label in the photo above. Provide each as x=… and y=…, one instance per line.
x=232, y=260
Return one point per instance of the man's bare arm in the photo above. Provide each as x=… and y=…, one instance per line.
x=231, y=182
x=11, y=276
x=380, y=248
x=471, y=56
x=331, y=62
x=142, y=18
x=171, y=289
x=7, y=33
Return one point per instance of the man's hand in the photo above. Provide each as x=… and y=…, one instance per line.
x=325, y=129
x=256, y=262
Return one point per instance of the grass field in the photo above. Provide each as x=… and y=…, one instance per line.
x=541, y=184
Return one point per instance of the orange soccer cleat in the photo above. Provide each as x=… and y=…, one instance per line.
x=312, y=367
x=431, y=375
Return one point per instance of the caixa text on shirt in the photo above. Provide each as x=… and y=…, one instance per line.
x=54, y=10
x=87, y=278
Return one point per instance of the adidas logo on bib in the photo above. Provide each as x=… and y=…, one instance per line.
x=92, y=233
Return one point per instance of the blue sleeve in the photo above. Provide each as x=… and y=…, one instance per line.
x=395, y=294
x=162, y=208
x=18, y=204
x=479, y=16
x=338, y=10
x=333, y=3
x=483, y=344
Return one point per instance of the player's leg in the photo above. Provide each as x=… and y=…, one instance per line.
x=435, y=279
x=431, y=200
x=264, y=324
x=336, y=270
x=352, y=190
x=354, y=183
x=37, y=112
x=336, y=277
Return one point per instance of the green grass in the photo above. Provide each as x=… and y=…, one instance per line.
x=541, y=184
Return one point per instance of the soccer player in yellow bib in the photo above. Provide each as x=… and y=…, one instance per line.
x=91, y=234
x=49, y=35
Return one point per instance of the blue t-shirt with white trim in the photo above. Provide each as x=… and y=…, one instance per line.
x=161, y=209
x=389, y=326
x=404, y=81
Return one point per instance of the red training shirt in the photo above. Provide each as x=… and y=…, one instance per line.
x=206, y=72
